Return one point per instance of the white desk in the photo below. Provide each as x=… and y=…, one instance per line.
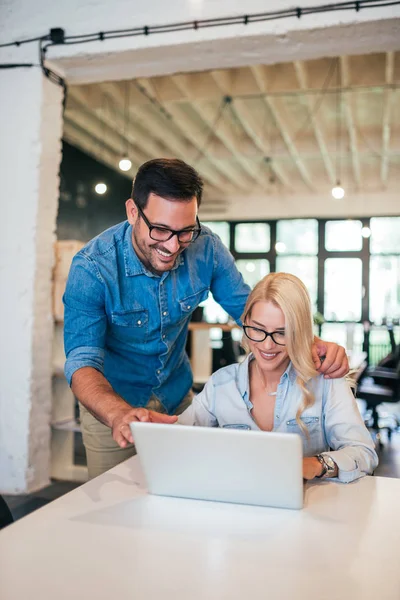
x=108, y=539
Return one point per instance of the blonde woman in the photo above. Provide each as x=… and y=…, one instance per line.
x=278, y=389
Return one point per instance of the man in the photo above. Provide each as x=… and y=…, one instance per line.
x=128, y=302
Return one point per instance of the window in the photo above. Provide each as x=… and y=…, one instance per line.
x=343, y=235
x=298, y=236
x=305, y=268
x=252, y=237
x=343, y=289
x=385, y=235
x=221, y=228
x=384, y=288
x=213, y=312
x=253, y=270
x=349, y=335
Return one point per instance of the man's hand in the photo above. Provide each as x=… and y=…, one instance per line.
x=335, y=363
x=121, y=431
x=311, y=467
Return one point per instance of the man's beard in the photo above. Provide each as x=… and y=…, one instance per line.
x=147, y=254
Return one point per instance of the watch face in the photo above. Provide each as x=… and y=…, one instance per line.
x=329, y=463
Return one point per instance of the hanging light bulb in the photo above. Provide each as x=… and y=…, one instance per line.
x=338, y=192
x=280, y=247
x=366, y=232
x=125, y=164
x=100, y=188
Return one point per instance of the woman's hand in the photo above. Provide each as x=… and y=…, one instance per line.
x=311, y=467
x=335, y=363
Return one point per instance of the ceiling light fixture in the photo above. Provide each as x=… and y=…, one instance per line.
x=366, y=232
x=125, y=164
x=100, y=188
x=338, y=191
x=280, y=247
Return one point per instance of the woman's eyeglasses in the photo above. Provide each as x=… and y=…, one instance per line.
x=259, y=335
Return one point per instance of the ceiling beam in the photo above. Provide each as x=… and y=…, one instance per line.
x=104, y=129
x=195, y=139
x=222, y=131
x=347, y=105
x=176, y=131
x=302, y=77
x=387, y=105
x=251, y=127
x=275, y=109
x=80, y=138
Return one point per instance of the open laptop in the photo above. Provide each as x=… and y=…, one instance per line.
x=226, y=465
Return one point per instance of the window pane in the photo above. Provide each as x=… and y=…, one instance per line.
x=304, y=267
x=384, y=289
x=349, y=335
x=343, y=235
x=385, y=234
x=379, y=343
x=252, y=237
x=298, y=236
x=253, y=270
x=221, y=228
x=213, y=312
x=343, y=289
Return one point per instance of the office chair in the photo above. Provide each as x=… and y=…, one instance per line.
x=378, y=385
x=6, y=517
x=228, y=354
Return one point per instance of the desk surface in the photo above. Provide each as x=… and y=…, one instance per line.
x=108, y=539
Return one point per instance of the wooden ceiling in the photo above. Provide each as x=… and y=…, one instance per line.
x=280, y=129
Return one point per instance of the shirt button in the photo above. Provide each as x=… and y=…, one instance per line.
x=165, y=313
x=163, y=337
x=188, y=306
x=139, y=322
x=158, y=371
x=277, y=416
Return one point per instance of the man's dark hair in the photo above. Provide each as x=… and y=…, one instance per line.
x=169, y=178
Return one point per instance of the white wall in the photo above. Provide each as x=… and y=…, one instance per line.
x=274, y=41
x=30, y=123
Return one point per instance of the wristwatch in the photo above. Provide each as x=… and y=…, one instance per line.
x=328, y=466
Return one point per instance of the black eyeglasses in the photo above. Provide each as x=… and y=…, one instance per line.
x=259, y=335
x=163, y=234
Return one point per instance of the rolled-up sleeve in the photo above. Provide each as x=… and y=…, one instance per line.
x=352, y=447
x=85, y=320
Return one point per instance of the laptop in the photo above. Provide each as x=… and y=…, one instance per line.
x=225, y=465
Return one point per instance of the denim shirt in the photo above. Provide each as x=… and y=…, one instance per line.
x=131, y=325
x=334, y=422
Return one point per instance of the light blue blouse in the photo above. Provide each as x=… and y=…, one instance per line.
x=334, y=422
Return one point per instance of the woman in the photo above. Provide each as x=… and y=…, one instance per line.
x=278, y=389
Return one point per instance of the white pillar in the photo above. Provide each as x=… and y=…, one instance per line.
x=30, y=153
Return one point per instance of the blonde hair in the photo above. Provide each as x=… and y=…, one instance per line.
x=290, y=294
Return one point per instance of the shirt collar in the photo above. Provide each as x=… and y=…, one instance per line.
x=133, y=264
x=243, y=376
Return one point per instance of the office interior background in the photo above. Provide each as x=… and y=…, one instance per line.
x=295, y=129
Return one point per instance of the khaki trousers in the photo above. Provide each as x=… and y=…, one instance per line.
x=102, y=452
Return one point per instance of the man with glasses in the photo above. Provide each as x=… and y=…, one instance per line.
x=129, y=298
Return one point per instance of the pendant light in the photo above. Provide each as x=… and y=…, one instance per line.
x=338, y=191
x=125, y=164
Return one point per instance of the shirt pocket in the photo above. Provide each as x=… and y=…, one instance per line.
x=242, y=426
x=189, y=303
x=312, y=442
x=130, y=326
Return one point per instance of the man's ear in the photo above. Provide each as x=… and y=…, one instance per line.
x=131, y=211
